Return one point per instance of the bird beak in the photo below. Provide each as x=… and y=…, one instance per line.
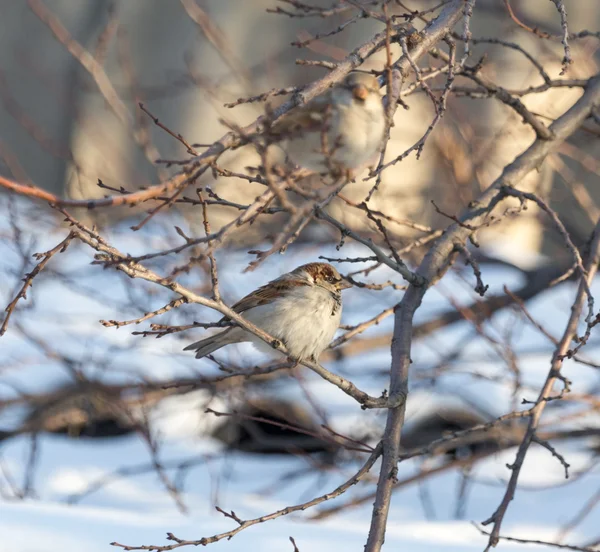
x=360, y=92
x=344, y=284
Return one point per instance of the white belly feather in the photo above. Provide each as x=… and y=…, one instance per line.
x=358, y=134
x=304, y=322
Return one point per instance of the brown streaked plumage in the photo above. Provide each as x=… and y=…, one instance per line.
x=311, y=116
x=263, y=295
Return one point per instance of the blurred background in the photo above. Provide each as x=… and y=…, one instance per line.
x=185, y=60
x=108, y=435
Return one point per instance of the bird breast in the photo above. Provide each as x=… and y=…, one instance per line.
x=362, y=130
x=355, y=135
x=305, y=320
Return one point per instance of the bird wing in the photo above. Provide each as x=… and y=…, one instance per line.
x=306, y=118
x=266, y=294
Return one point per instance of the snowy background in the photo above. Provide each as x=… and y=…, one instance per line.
x=137, y=509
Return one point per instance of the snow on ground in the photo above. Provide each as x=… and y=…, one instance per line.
x=137, y=510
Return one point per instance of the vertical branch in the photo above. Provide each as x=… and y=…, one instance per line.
x=567, y=59
x=559, y=354
x=214, y=277
x=466, y=34
x=401, y=346
x=432, y=268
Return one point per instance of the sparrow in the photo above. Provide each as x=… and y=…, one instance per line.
x=302, y=309
x=340, y=130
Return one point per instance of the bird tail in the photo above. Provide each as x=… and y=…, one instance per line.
x=213, y=343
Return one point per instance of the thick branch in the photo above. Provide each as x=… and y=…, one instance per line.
x=431, y=268
x=553, y=374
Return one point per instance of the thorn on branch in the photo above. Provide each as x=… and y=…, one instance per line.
x=452, y=217
x=230, y=515
x=182, y=234
x=480, y=288
x=554, y=453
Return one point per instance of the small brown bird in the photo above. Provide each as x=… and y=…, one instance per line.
x=301, y=308
x=340, y=129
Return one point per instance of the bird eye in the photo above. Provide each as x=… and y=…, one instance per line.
x=331, y=279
